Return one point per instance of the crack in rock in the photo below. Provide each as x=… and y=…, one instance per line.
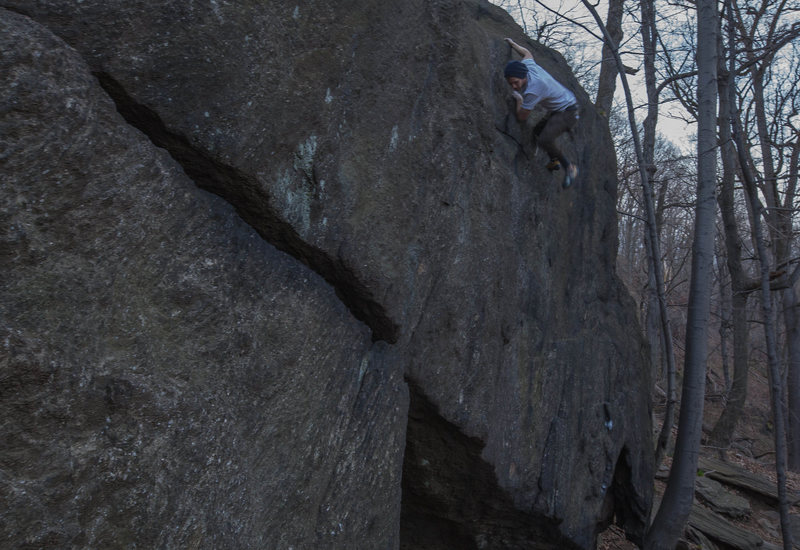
x=252, y=203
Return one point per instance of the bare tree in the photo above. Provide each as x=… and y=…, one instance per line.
x=676, y=504
x=769, y=331
x=607, y=81
x=649, y=33
x=770, y=190
x=722, y=433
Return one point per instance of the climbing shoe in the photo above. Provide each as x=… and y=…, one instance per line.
x=553, y=165
x=570, y=176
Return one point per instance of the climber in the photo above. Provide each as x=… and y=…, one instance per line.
x=533, y=86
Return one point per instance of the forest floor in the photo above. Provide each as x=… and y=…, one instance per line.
x=753, y=449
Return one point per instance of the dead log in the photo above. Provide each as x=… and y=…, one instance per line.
x=721, y=530
x=731, y=474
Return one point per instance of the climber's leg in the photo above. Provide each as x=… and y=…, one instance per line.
x=558, y=123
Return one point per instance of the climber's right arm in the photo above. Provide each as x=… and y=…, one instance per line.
x=524, y=52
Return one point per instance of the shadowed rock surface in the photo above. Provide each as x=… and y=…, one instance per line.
x=168, y=379
x=378, y=213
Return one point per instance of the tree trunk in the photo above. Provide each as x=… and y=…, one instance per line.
x=607, y=83
x=776, y=389
x=676, y=505
x=725, y=322
x=792, y=320
x=791, y=311
x=793, y=336
x=656, y=286
x=722, y=433
x=653, y=330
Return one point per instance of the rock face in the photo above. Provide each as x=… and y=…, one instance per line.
x=169, y=379
x=264, y=264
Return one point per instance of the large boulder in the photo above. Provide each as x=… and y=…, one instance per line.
x=373, y=143
x=169, y=380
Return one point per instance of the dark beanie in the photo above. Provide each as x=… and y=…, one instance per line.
x=517, y=69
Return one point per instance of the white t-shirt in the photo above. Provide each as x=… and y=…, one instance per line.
x=545, y=90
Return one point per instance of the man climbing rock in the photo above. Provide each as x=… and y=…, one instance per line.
x=533, y=86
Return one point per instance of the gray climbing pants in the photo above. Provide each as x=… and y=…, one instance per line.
x=557, y=123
